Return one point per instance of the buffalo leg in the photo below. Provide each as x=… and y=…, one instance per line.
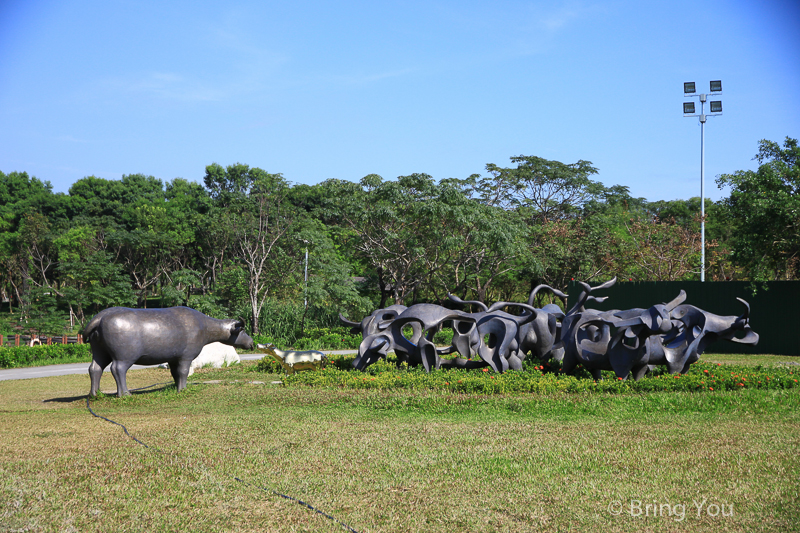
x=100, y=361
x=173, y=370
x=180, y=372
x=119, y=369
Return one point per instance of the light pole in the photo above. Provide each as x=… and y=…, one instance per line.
x=715, y=106
x=305, y=291
x=305, y=279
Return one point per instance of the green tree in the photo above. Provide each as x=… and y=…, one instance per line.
x=765, y=207
x=583, y=249
x=93, y=283
x=187, y=207
x=28, y=205
x=547, y=190
x=473, y=245
x=399, y=229
x=86, y=275
x=660, y=250
x=97, y=199
x=573, y=222
x=261, y=219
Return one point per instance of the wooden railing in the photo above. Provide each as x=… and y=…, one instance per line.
x=33, y=340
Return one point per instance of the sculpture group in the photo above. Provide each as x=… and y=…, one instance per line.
x=628, y=342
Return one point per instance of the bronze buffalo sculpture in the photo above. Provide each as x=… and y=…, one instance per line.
x=123, y=337
x=628, y=342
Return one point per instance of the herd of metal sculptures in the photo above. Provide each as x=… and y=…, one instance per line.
x=628, y=342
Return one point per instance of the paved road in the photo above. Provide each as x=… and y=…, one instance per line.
x=83, y=368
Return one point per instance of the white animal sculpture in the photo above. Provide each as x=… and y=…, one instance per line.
x=294, y=361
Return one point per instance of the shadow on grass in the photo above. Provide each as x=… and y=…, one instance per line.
x=143, y=390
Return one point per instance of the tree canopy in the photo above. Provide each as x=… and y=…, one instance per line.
x=764, y=206
x=236, y=244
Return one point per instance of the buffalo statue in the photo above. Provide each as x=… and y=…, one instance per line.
x=123, y=337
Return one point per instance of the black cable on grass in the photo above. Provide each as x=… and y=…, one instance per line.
x=117, y=423
x=301, y=502
x=276, y=493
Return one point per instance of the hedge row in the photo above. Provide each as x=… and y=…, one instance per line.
x=338, y=338
x=22, y=356
x=534, y=378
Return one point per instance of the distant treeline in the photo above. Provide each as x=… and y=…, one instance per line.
x=236, y=245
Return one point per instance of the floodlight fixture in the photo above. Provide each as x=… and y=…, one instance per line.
x=716, y=106
x=688, y=87
x=716, y=86
x=688, y=108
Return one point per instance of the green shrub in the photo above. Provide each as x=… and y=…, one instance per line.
x=443, y=337
x=537, y=378
x=338, y=338
x=21, y=356
x=269, y=365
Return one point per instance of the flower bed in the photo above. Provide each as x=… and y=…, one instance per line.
x=536, y=378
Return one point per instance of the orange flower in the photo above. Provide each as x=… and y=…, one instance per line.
x=485, y=369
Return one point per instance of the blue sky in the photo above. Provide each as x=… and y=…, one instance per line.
x=319, y=90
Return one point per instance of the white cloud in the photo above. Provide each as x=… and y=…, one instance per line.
x=358, y=79
x=168, y=85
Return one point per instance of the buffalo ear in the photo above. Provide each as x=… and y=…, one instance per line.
x=238, y=325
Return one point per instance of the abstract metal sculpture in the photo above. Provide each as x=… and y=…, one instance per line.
x=693, y=330
x=614, y=340
x=628, y=342
x=123, y=337
x=424, y=320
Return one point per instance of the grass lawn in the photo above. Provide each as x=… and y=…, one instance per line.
x=396, y=460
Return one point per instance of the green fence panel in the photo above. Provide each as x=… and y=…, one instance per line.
x=774, y=308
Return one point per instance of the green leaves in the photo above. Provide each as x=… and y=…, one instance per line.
x=549, y=190
x=765, y=208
